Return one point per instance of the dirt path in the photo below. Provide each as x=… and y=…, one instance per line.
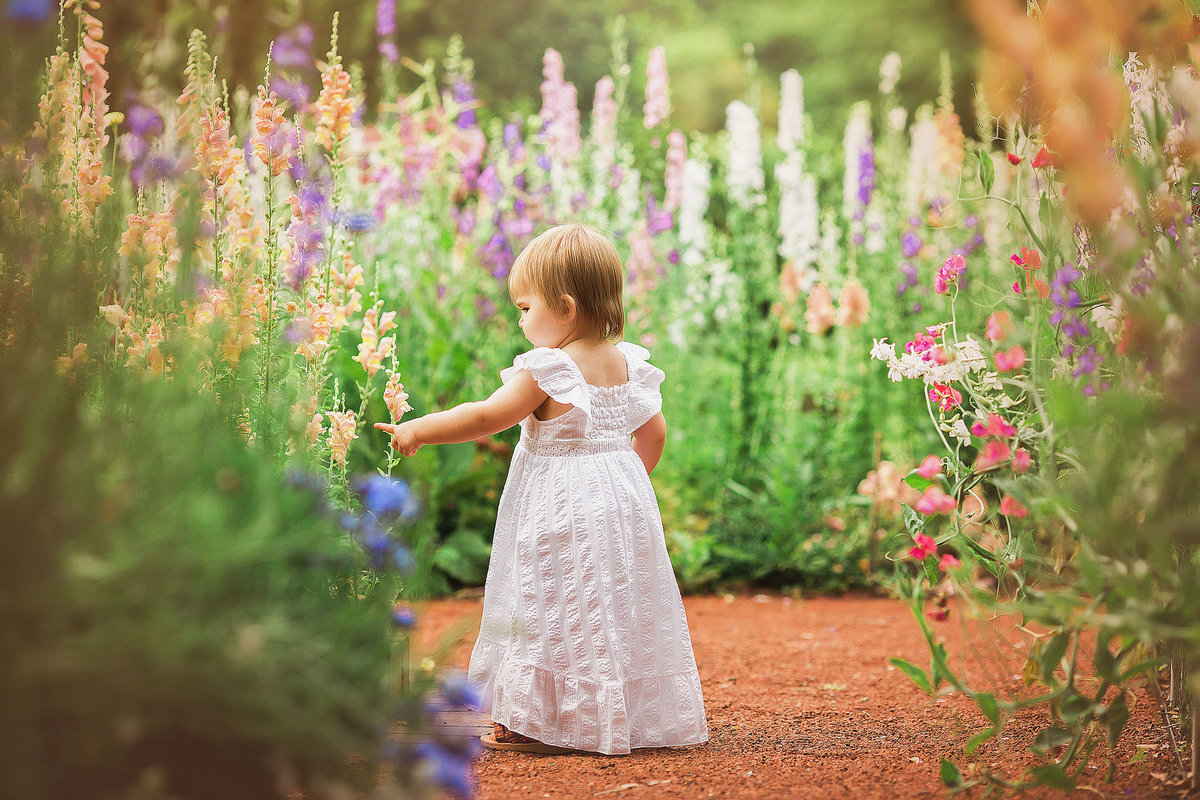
x=802, y=703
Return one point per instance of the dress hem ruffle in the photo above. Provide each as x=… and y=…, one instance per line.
x=609, y=717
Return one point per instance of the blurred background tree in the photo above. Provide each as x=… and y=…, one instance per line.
x=837, y=46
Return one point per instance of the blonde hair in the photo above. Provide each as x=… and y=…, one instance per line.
x=579, y=261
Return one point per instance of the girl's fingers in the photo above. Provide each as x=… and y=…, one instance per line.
x=384, y=426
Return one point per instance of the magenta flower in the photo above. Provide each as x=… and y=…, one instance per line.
x=926, y=547
x=993, y=453
x=946, y=397
x=935, y=501
x=999, y=325
x=948, y=273
x=1011, y=507
x=930, y=468
x=948, y=562
x=1011, y=360
x=1021, y=460
x=996, y=426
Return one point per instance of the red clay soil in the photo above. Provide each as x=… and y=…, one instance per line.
x=802, y=703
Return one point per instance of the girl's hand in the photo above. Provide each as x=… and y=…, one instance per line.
x=404, y=437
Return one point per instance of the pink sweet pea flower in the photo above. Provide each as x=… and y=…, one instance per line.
x=948, y=563
x=993, y=453
x=1011, y=360
x=938, y=614
x=930, y=468
x=926, y=547
x=999, y=326
x=1021, y=460
x=948, y=273
x=1014, y=159
x=935, y=501
x=945, y=396
x=996, y=426
x=1011, y=507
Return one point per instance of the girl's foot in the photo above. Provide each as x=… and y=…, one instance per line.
x=502, y=738
x=505, y=736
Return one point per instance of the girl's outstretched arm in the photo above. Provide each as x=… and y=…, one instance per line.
x=508, y=405
x=649, y=441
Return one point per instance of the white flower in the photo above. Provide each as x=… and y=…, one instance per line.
x=745, y=173
x=897, y=118
x=791, y=111
x=693, y=205
x=889, y=73
x=883, y=350
x=1108, y=320
x=922, y=160
x=799, y=215
x=959, y=431
x=971, y=355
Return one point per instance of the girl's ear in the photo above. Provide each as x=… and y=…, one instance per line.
x=571, y=309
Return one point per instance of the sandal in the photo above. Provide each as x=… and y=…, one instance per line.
x=502, y=738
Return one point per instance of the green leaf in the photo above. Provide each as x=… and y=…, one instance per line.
x=1114, y=718
x=1053, y=776
x=978, y=739
x=940, y=665
x=1075, y=706
x=912, y=520
x=987, y=173
x=1105, y=662
x=1052, y=654
x=987, y=704
x=917, y=482
x=1148, y=665
x=918, y=675
x=1049, y=739
x=950, y=774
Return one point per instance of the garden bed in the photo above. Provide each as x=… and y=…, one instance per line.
x=802, y=702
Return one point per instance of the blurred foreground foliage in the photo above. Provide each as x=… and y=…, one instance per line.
x=176, y=618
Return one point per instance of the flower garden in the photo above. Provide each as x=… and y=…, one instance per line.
x=958, y=366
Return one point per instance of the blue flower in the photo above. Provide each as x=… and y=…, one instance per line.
x=358, y=221
x=449, y=769
x=29, y=10
x=402, y=557
x=403, y=616
x=459, y=692
x=383, y=497
x=377, y=544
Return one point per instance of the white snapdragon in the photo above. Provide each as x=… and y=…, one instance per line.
x=791, y=111
x=922, y=160
x=1147, y=97
x=745, y=173
x=693, y=206
x=889, y=73
x=799, y=221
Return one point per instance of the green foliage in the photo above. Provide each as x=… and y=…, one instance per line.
x=175, y=613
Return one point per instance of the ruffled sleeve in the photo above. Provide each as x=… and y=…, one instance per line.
x=556, y=374
x=645, y=380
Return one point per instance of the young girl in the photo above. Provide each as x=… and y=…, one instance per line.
x=584, y=644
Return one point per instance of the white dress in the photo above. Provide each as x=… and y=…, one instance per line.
x=584, y=642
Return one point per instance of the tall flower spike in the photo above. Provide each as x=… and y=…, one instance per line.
x=335, y=106
x=658, y=93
